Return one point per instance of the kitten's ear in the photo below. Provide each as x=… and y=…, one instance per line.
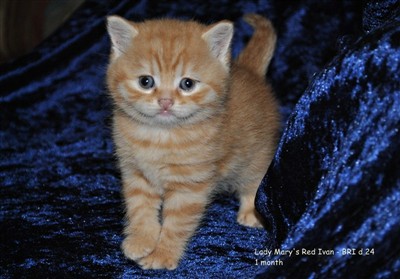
x=218, y=38
x=121, y=33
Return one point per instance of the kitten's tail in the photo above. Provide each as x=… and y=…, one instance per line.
x=258, y=52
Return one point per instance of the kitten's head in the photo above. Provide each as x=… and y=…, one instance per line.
x=169, y=72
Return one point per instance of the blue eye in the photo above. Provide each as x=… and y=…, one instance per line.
x=146, y=82
x=187, y=84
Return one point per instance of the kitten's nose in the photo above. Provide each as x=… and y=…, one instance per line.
x=165, y=103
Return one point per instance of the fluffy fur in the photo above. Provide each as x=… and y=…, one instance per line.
x=186, y=122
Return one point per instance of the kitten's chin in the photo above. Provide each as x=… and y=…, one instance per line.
x=167, y=118
x=161, y=118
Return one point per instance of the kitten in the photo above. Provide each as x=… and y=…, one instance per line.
x=185, y=122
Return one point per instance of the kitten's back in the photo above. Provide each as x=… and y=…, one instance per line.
x=253, y=116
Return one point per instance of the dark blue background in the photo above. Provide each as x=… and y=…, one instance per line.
x=334, y=182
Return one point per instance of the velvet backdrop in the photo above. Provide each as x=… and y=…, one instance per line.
x=334, y=182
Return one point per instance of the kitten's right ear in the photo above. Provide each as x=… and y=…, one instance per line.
x=121, y=33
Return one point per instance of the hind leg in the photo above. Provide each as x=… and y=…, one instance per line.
x=247, y=215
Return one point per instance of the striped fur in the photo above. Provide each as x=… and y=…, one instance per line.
x=177, y=147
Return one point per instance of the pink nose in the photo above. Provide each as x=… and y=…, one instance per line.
x=165, y=103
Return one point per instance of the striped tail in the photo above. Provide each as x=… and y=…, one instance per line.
x=258, y=52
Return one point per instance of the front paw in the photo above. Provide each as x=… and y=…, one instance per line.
x=160, y=259
x=138, y=246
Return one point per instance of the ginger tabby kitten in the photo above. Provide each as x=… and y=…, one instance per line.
x=186, y=123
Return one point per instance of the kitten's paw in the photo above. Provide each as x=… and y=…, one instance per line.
x=138, y=246
x=159, y=259
x=249, y=218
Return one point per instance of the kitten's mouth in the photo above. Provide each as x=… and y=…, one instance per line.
x=166, y=116
x=160, y=114
x=166, y=113
x=170, y=113
x=171, y=116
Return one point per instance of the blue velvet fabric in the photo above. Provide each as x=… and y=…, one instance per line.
x=334, y=183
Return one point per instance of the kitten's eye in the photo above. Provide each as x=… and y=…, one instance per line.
x=146, y=82
x=187, y=84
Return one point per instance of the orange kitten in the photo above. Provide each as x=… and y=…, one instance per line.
x=185, y=124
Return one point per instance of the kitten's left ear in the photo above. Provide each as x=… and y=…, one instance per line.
x=121, y=33
x=218, y=38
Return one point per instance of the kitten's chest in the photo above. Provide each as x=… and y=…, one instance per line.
x=164, y=155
